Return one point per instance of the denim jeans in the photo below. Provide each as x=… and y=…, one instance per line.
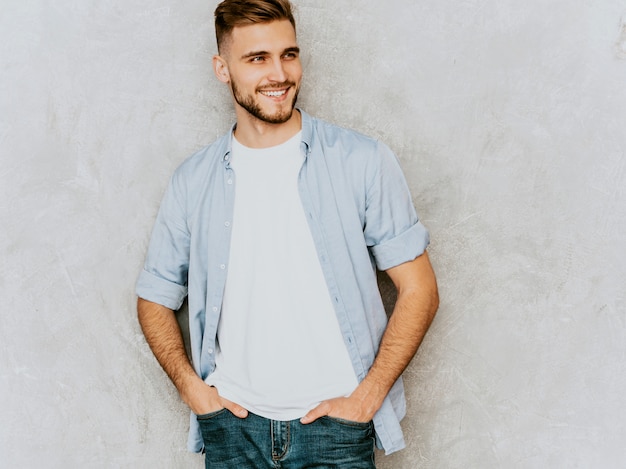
x=257, y=442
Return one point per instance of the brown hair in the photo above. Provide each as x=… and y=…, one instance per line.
x=232, y=13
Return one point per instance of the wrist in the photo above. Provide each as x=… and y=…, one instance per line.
x=370, y=394
x=189, y=387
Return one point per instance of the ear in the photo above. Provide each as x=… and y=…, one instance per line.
x=221, y=69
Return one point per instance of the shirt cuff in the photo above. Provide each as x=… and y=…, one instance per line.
x=403, y=248
x=160, y=291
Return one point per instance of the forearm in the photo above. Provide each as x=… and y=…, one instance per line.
x=404, y=334
x=413, y=313
x=164, y=337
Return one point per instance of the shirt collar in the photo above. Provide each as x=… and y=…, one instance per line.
x=228, y=145
x=307, y=132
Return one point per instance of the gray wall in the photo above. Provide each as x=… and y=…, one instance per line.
x=509, y=119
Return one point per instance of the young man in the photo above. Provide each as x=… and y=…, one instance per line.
x=274, y=232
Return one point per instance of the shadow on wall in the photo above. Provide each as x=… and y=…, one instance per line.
x=387, y=291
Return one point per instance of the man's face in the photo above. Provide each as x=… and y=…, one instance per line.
x=264, y=70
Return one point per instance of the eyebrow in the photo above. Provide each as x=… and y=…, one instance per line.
x=264, y=52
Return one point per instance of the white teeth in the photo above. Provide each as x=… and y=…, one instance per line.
x=274, y=93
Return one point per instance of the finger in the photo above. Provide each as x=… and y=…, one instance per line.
x=235, y=409
x=315, y=413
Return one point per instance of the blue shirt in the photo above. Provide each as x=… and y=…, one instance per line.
x=361, y=217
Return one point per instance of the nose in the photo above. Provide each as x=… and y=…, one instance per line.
x=278, y=71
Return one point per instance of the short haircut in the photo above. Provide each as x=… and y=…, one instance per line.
x=232, y=13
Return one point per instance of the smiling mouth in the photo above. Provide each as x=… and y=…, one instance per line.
x=273, y=93
x=276, y=90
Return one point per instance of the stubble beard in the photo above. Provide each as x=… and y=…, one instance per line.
x=252, y=106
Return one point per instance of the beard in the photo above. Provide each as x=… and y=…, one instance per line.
x=252, y=106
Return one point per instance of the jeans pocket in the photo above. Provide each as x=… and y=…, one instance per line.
x=210, y=415
x=348, y=423
x=343, y=443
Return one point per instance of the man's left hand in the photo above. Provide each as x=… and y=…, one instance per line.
x=347, y=408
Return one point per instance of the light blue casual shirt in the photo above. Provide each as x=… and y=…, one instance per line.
x=361, y=217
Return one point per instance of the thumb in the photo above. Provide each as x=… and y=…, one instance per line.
x=235, y=409
x=315, y=413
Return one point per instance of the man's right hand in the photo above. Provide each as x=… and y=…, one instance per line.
x=204, y=399
x=162, y=332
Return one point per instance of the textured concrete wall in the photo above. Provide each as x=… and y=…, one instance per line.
x=509, y=118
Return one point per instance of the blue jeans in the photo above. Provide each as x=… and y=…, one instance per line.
x=257, y=442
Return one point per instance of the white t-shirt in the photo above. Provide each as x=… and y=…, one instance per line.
x=280, y=351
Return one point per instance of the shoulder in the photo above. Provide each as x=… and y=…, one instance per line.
x=332, y=134
x=203, y=161
x=347, y=147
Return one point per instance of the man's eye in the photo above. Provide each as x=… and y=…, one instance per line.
x=257, y=59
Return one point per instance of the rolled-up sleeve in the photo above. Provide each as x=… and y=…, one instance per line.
x=392, y=229
x=163, y=279
x=403, y=248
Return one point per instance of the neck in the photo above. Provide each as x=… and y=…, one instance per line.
x=255, y=133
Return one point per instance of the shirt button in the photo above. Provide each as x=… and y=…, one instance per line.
x=230, y=181
x=223, y=266
x=214, y=309
x=227, y=224
x=210, y=351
